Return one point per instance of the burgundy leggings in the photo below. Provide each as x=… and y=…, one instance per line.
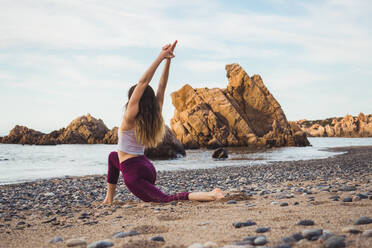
x=139, y=176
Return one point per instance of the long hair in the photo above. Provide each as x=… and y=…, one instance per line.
x=149, y=129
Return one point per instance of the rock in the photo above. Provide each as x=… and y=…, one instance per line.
x=101, y=244
x=158, y=238
x=297, y=236
x=242, y=224
x=210, y=244
x=220, y=153
x=284, y=204
x=169, y=148
x=347, y=199
x=262, y=229
x=305, y=223
x=196, y=245
x=363, y=220
x=260, y=240
x=125, y=234
x=310, y=234
x=56, y=240
x=362, y=196
x=349, y=126
x=351, y=230
x=367, y=233
x=335, y=242
x=231, y=202
x=75, y=242
x=243, y=114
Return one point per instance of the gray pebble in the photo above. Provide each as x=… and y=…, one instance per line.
x=101, y=244
x=311, y=234
x=347, y=199
x=56, y=240
x=260, y=240
x=262, y=229
x=305, y=223
x=363, y=220
x=367, y=233
x=231, y=202
x=125, y=234
x=75, y=242
x=335, y=242
x=284, y=204
x=158, y=238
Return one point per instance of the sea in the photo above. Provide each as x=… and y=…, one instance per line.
x=24, y=163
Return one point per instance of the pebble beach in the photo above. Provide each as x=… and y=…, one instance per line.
x=306, y=203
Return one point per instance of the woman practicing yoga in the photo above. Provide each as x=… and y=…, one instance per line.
x=142, y=126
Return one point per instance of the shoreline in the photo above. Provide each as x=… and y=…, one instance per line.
x=276, y=195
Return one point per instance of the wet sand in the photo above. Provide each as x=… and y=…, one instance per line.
x=332, y=192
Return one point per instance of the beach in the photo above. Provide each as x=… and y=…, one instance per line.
x=328, y=195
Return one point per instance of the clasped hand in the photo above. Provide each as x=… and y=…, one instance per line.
x=167, y=51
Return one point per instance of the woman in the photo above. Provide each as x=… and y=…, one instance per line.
x=142, y=126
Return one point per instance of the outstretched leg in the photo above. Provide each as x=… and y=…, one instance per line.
x=112, y=177
x=213, y=195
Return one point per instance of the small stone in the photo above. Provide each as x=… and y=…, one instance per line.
x=125, y=234
x=210, y=244
x=347, y=199
x=351, y=230
x=195, y=245
x=101, y=244
x=348, y=188
x=274, y=203
x=284, y=204
x=283, y=246
x=297, y=236
x=305, y=223
x=204, y=223
x=363, y=220
x=312, y=234
x=296, y=203
x=335, y=242
x=356, y=198
x=75, y=242
x=367, y=233
x=56, y=240
x=242, y=224
x=158, y=239
x=262, y=229
x=260, y=240
x=326, y=235
x=250, y=238
x=231, y=202
x=362, y=196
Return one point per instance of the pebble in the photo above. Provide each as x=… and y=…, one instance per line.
x=335, y=242
x=312, y=234
x=158, y=238
x=231, y=202
x=351, y=230
x=101, y=244
x=125, y=234
x=284, y=204
x=363, y=220
x=196, y=245
x=362, y=196
x=75, y=242
x=297, y=236
x=210, y=244
x=242, y=224
x=305, y=223
x=262, y=229
x=347, y=199
x=367, y=233
x=283, y=246
x=274, y=203
x=260, y=240
x=56, y=240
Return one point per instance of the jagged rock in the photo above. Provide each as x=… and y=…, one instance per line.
x=89, y=130
x=349, y=126
x=243, y=114
x=170, y=147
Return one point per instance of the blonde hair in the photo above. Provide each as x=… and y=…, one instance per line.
x=149, y=129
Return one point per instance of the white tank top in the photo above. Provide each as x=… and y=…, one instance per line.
x=127, y=142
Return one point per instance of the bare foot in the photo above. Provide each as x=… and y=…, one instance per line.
x=106, y=202
x=218, y=193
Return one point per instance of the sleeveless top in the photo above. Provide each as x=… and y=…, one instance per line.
x=127, y=142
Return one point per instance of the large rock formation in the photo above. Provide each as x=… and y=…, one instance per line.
x=349, y=126
x=89, y=130
x=243, y=114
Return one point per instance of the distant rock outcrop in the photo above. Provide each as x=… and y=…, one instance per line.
x=243, y=114
x=349, y=126
x=89, y=130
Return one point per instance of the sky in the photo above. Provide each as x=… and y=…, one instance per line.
x=62, y=59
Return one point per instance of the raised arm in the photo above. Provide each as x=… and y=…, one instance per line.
x=164, y=79
x=132, y=108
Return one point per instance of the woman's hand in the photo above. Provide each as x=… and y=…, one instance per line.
x=167, y=51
